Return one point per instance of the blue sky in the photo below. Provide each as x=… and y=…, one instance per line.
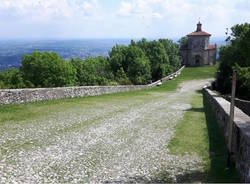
x=48, y=19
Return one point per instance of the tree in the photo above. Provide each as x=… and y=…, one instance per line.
x=47, y=69
x=158, y=58
x=183, y=42
x=122, y=78
x=133, y=61
x=78, y=64
x=117, y=58
x=172, y=50
x=93, y=71
x=139, y=71
x=234, y=55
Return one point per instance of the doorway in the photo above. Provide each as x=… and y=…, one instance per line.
x=198, y=60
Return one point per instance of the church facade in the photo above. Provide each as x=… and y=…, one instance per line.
x=197, y=51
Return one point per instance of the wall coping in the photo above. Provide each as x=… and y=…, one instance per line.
x=241, y=120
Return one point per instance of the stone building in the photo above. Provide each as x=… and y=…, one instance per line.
x=197, y=51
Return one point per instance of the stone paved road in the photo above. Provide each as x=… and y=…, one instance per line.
x=115, y=141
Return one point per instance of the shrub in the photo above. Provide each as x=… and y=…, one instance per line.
x=11, y=78
x=243, y=81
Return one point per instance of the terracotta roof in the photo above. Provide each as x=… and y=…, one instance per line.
x=211, y=47
x=199, y=33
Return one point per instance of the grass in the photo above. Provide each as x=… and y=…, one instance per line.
x=199, y=133
x=188, y=74
x=191, y=131
x=18, y=113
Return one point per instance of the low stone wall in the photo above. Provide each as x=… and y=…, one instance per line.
x=244, y=105
x=17, y=96
x=241, y=131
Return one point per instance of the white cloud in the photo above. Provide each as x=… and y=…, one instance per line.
x=157, y=15
x=118, y=18
x=44, y=10
x=125, y=9
x=140, y=8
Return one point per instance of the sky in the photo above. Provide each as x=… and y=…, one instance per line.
x=76, y=19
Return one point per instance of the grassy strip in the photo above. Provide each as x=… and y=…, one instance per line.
x=198, y=132
x=191, y=131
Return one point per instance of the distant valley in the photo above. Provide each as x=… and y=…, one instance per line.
x=12, y=51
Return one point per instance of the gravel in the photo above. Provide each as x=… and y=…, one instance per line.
x=116, y=142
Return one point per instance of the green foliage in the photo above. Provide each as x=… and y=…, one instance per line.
x=45, y=69
x=158, y=58
x=237, y=53
x=172, y=50
x=243, y=81
x=139, y=71
x=138, y=63
x=183, y=42
x=11, y=78
x=131, y=60
x=93, y=71
x=122, y=78
x=117, y=58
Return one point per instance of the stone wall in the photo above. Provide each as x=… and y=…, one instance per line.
x=241, y=131
x=244, y=105
x=17, y=96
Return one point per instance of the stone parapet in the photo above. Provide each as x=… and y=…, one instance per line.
x=241, y=131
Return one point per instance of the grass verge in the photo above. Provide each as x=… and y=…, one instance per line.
x=198, y=133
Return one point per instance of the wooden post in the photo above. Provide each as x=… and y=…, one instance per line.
x=231, y=119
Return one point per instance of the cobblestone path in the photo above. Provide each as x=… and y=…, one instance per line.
x=121, y=140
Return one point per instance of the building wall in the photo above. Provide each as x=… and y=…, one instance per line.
x=193, y=57
x=212, y=56
x=198, y=48
x=198, y=42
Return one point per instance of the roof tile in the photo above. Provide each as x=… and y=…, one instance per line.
x=199, y=33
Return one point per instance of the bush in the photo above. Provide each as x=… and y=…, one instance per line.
x=11, y=78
